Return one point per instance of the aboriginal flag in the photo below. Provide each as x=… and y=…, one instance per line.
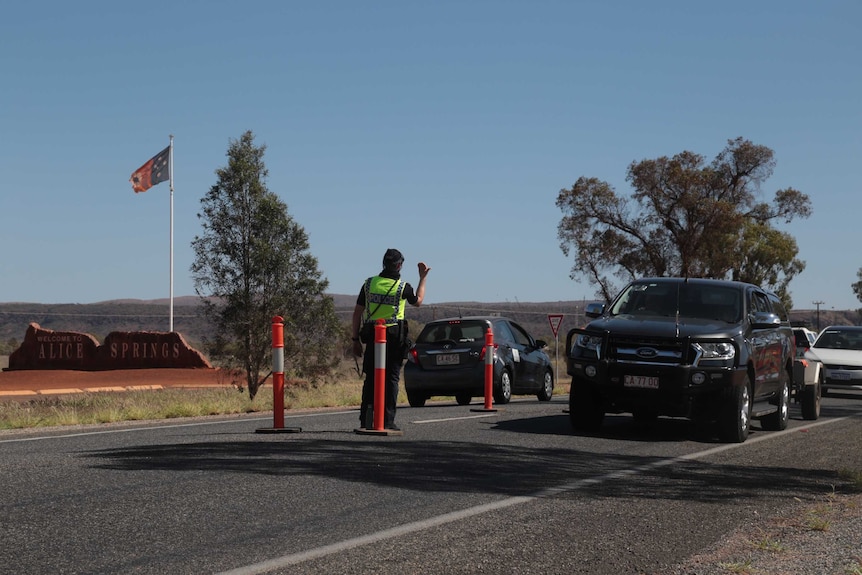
x=156, y=170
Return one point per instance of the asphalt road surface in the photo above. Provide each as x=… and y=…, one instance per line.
x=461, y=491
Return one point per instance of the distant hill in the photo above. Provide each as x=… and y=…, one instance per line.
x=100, y=319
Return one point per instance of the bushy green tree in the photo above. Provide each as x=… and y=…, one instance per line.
x=857, y=286
x=252, y=262
x=685, y=218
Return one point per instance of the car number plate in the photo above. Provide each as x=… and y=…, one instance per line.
x=840, y=375
x=642, y=381
x=448, y=359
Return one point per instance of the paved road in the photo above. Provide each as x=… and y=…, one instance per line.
x=459, y=492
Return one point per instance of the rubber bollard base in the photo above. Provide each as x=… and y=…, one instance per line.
x=278, y=430
x=366, y=431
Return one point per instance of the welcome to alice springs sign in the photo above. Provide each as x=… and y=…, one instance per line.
x=49, y=349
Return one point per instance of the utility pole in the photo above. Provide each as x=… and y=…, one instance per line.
x=818, y=304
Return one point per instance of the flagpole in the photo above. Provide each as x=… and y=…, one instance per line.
x=171, y=173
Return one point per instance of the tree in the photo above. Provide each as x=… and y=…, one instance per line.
x=252, y=263
x=685, y=218
x=857, y=286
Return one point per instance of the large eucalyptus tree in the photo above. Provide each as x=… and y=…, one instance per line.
x=685, y=218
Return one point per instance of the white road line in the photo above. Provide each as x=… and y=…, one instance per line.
x=453, y=418
x=171, y=426
x=318, y=552
x=296, y=558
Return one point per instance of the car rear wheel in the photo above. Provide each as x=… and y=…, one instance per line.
x=547, y=390
x=463, y=398
x=416, y=399
x=585, y=409
x=778, y=420
x=503, y=393
x=810, y=399
x=735, y=420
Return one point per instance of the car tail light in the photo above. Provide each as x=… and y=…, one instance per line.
x=413, y=356
x=484, y=347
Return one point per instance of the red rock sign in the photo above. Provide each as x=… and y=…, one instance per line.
x=49, y=349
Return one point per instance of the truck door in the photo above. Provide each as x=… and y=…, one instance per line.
x=766, y=344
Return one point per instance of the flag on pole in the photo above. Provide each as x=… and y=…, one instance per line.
x=156, y=170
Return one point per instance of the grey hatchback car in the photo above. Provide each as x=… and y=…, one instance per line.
x=448, y=359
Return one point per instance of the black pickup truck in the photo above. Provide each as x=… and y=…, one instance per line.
x=717, y=352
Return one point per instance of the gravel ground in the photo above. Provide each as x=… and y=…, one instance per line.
x=820, y=539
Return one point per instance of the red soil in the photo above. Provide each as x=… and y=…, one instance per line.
x=25, y=382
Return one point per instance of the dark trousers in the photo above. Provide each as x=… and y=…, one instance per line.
x=393, y=374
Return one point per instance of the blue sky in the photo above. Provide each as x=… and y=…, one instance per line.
x=445, y=129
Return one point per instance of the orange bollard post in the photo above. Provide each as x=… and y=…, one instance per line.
x=379, y=403
x=489, y=372
x=278, y=380
x=379, y=373
x=489, y=368
x=277, y=372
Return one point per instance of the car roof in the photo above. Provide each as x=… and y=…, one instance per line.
x=706, y=281
x=468, y=318
x=699, y=281
x=842, y=328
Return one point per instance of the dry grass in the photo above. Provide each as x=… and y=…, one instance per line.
x=342, y=388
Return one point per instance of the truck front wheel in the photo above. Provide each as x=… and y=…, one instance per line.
x=778, y=420
x=734, y=422
x=585, y=409
x=810, y=399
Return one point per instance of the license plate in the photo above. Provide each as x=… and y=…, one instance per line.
x=448, y=359
x=642, y=381
x=840, y=375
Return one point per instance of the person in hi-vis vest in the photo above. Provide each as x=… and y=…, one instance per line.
x=384, y=296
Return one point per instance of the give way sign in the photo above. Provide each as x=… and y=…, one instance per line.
x=555, y=319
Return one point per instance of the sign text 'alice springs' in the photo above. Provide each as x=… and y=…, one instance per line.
x=49, y=349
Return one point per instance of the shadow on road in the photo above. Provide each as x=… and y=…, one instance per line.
x=471, y=467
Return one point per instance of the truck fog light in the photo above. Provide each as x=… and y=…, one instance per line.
x=698, y=378
x=590, y=370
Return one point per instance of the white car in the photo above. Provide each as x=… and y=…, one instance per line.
x=839, y=348
x=804, y=340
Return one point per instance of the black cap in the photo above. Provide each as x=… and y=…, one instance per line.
x=392, y=259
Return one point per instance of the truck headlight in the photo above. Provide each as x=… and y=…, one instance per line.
x=587, y=346
x=715, y=351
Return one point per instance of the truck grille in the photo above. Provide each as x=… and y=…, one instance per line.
x=647, y=351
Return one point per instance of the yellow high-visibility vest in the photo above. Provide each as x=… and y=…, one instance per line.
x=383, y=300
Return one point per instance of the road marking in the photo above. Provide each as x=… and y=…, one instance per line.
x=296, y=558
x=453, y=418
x=170, y=426
x=407, y=528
